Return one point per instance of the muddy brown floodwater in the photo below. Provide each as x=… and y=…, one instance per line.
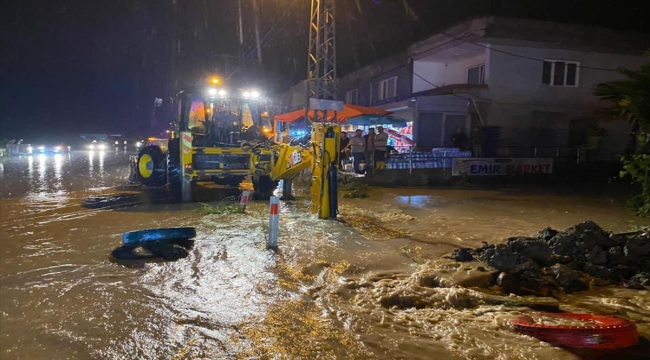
x=323, y=296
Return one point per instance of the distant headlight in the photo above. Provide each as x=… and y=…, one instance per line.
x=124, y=142
x=102, y=146
x=57, y=148
x=91, y=146
x=138, y=144
x=41, y=148
x=30, y=149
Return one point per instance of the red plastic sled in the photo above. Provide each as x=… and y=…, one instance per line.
x=599, y=332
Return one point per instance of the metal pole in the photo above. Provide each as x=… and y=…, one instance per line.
x=274, y=223
x=411, y=160
x=243, y=201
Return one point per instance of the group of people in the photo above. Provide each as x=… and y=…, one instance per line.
x=474, y=143
x=369, y=149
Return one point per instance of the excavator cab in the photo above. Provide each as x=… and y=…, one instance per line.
x=215, y=138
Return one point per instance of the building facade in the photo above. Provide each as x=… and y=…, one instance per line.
x=529, y=81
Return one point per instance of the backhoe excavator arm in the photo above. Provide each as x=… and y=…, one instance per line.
x=291, y=161
x=322, y=155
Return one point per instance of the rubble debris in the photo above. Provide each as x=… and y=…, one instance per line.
x=568, y=260
x=462, y=254
x=642, y=278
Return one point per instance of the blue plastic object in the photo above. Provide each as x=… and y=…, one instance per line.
x=137, y=238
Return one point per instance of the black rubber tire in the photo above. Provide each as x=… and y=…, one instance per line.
x=188, y=244
x=263, y=187
x=166, y=250
x=140, y=237
x=174, y=174
x=126, y=253
x=159, y=176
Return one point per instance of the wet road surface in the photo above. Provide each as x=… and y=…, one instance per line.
x=61, y=298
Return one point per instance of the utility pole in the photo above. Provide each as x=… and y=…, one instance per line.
x=321, y=67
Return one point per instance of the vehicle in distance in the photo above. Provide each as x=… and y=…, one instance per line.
x=49, y=149
x=97, y=145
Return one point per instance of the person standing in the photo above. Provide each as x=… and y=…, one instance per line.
x=459, y=139
x=370, y=145
x=381, y=140
x=345, y=153
x=357, y=146
x=477, y=140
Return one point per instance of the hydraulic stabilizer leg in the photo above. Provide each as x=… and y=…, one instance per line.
x=332, y=176
x=186, y=190
x=328, y=204
x=286, y=190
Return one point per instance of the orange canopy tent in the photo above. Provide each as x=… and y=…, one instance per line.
x=348, y=112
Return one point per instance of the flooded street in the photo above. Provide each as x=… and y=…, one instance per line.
x=322, y=296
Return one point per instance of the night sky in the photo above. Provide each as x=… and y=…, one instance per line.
x=73, y=66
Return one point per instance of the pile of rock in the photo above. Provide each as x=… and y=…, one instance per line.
x=566, y=260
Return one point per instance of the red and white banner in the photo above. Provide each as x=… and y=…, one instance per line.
x=501, y=166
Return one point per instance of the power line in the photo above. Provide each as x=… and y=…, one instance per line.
x=519, y=55
x=260, y=45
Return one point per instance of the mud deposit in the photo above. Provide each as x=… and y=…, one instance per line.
x=373, y=286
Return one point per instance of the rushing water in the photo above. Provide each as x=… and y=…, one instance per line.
x=325, y=294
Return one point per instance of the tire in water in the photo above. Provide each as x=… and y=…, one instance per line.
x=137, y=238
x=151, y=166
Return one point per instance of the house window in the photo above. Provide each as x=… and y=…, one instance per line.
x=476, y=75
x=352, y=97
x=560, y=73
x=387, y=88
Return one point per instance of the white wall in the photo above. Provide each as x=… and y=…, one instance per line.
x=433, y=72
x=443, y=73
x=519, y=80
x=456, y=72
x=516, y=90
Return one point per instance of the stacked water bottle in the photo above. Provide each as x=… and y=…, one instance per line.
x=437, y=158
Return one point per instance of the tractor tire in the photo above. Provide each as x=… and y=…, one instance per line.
x=151, y=166
x=174, y=174
x=263, y=187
